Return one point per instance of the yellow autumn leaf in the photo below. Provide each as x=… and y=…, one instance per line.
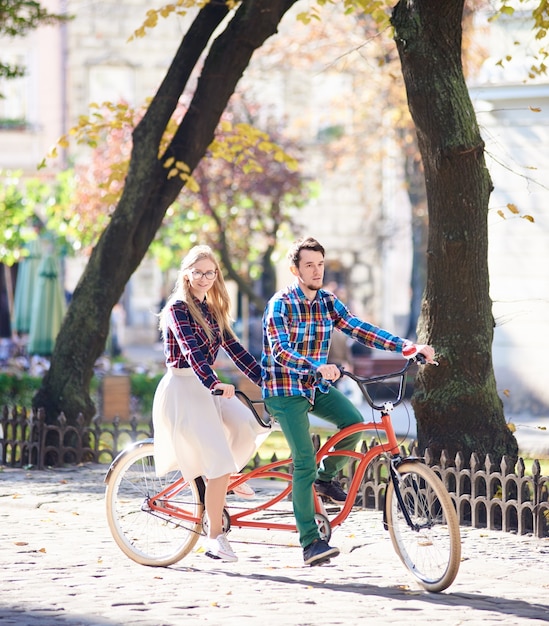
x=512, y=207
x=192, y=185
x=116, y=176
x=152, y=18
x=535, y=109
x=291, y=163
x=303, y=18
x=169, y=162
x=511, y=427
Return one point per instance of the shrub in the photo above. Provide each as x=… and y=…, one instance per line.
x=17, y=390
x=142, y=388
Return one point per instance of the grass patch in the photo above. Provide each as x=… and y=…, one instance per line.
x=544, y=464
x=276, y=444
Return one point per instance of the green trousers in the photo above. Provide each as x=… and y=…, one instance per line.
x=292, y=413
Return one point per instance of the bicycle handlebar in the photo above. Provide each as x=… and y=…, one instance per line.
x=364, y=381
x=361, y=381
x=250, y=404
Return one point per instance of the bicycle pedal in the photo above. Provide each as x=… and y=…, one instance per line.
x=212, y=556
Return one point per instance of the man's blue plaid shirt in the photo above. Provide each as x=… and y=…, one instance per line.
x=297, y=335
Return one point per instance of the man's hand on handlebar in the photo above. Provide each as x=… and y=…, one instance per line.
x=428, y=352
x=223, y=389
x=328, y=371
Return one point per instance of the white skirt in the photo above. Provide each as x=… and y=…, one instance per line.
x=198, y=433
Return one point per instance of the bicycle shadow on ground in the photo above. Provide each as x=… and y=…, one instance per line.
x=38, y=617
x=477, y=602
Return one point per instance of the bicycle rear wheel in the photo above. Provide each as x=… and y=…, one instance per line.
x=146, y=536
x=431, y=550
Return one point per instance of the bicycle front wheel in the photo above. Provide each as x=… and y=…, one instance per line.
x=145, y=535
x=431, y=547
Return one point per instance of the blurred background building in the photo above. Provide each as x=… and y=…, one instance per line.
x=362, y=211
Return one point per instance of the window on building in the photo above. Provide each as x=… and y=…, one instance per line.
x=111, y=83
x=14, y=108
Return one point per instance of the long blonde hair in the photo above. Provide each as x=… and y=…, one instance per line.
x=218, y=297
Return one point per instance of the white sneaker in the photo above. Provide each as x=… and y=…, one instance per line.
x=220, y=548
x=243, y=489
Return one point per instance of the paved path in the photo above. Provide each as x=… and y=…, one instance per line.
x=60, y=567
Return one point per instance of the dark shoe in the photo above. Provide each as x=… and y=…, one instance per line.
x=318, y=552
x=332, y=490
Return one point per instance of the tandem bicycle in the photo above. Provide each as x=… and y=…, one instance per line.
x=157, y=521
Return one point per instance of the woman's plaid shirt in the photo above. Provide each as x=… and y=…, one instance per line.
x=187, y=345
x=297, y=335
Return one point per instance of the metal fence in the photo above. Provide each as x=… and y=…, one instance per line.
x=27, y=441
x=485, y=495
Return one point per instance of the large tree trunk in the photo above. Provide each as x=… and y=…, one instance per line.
x=456, y=404
x=148, y=192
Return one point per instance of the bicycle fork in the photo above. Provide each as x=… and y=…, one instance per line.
x=394, y=462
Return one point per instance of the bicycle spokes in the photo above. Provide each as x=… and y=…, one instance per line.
x=422, y=522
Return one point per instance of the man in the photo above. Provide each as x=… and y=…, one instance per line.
x=297, y=329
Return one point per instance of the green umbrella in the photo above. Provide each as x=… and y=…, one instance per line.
x=48, y=308
x=25, y=288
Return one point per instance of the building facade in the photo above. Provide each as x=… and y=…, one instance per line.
x=361, y=213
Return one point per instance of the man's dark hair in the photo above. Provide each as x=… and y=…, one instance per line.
x=306, y=243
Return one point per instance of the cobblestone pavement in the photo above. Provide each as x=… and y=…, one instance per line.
x=60, y=567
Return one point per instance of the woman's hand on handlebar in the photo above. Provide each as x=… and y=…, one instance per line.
x=225, y=390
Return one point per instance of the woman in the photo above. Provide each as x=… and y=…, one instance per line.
x=194, y=431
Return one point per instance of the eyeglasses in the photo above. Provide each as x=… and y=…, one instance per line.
x=197, y=274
